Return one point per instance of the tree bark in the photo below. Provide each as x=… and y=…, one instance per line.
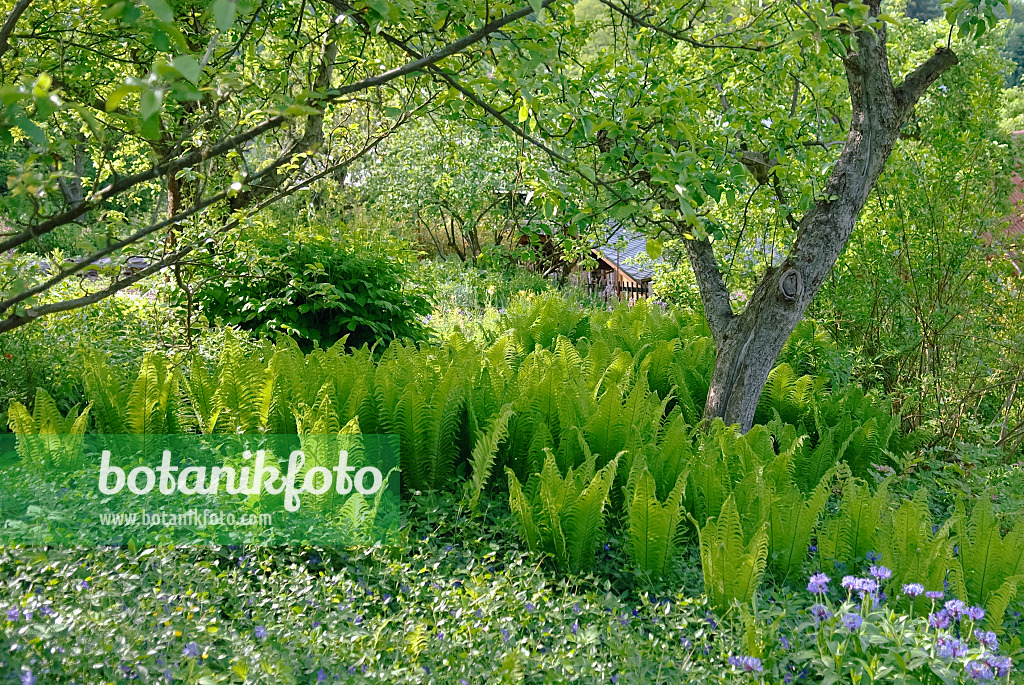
x=748, y=344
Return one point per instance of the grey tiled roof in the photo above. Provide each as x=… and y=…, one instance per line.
x=632, y=258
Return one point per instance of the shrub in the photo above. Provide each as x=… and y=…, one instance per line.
x=314, y=289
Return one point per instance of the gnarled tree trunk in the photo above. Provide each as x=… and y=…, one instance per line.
x=748, y=344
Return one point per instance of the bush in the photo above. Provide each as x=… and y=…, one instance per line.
x=314, y=289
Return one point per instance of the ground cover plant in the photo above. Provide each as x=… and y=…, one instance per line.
x=252, y=251
x=787, y=552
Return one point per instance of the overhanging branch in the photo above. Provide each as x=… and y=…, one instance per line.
x=172, y=166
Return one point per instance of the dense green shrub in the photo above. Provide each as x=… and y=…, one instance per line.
x=313, y=288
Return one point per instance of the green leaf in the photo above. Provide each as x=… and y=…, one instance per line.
x=223, y=13
x=381, y=7
x=115, y=98
x=152, y=101
x=31, y=130
x=654, y=248
x=187, y=66
x=537, y=6
x=162, y=10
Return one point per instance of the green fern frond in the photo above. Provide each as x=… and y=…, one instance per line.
x=484, y=453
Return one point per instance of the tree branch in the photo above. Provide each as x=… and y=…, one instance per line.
x=713, y=292
x=918, y=81
x=117, y=286
x=8, y=27
x=185, y=161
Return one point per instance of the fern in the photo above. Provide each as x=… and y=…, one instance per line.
x=791, y=522
x=733, y=566
x=563, y=517
x=47, y=441
x=849, y=536
x=991, y=566
x=653, y=526
x=484, y=453
x=911, y=549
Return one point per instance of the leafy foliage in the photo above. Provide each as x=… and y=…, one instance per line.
x=732, y=563
x=313, y=290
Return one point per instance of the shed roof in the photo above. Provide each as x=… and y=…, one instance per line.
x=632, y=259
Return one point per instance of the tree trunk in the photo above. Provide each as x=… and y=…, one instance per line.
x=748, y=344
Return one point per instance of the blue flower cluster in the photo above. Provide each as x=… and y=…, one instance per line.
x=951, y=623
x=749, y=664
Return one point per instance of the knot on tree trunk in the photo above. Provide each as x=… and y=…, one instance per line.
x=790, y=285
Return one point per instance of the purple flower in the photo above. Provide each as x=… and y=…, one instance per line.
x=978, y=670
x=852, y=621
x=575, y=627
x=505, y=635
x=820, y=613
x=28, y=678
x=873, y=556
x=987, y=639
x=747, y=663
x=955, y=608
x=913, y=589
x=934, y=594
x=191, y=650
x=974, y=613
x=529, y=607
x=685, y=643
x=1000, y=664
x=260, y=632
x=321, y=676
x=463, y=681
x=862, y=585
x=880, y=572
x=785, y=642
x=950, y=647
x=85, y=585
x=13, y=614
x=818, y=584
x=939, y=620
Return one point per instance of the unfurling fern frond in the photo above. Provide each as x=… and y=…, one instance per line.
x=484, y=452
